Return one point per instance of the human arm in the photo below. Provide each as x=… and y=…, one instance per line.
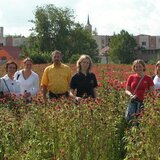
x=129, y=93
x=35, y=87
x=44, y=92
x=72, y=94
x=94, y=92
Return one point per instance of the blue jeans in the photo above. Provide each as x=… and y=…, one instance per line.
x=133, y=109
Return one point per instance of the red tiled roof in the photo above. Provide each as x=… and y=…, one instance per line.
x=12, y=50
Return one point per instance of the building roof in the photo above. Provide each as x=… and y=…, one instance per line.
x=104, y=50
x=12, y=50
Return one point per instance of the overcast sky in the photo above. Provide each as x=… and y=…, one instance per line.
x=107, y=16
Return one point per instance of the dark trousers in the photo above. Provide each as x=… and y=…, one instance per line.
x=56, y=96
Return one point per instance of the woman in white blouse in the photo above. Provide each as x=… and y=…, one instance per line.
x=8, y=85
x=28, y=80
x=156, y=79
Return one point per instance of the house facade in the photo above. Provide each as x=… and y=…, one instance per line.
x=10, y=47
x=149, y=46
x=9, y=53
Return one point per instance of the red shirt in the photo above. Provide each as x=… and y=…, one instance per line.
x=145, y=84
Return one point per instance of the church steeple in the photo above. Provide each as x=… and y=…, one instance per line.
x=88, y=25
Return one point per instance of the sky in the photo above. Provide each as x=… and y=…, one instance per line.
x=107, y=16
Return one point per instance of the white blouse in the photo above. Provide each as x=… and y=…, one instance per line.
x=31, y=84
x=9, y=85
x=156, y=82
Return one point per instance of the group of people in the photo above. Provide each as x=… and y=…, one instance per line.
x=57, y=79
x=24, y=82
x=138, y=84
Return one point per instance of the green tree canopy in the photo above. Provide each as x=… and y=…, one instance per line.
x=55, y=28
x=122, y=48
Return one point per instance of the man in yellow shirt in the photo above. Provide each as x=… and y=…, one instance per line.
x=56, y=78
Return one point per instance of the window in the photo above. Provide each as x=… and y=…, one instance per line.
x=143, y=43
x=3, y=60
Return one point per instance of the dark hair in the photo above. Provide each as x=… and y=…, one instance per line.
x=11, y=62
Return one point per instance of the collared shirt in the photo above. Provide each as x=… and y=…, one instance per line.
x=84, y=84
x=57, y=79
x=31, y=84
x=9, y=85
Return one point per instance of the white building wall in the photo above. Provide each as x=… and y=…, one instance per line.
x=157, y=42
x=144, y=39
x=3, y=41
x=1, y=32
x=100, y=40
x=18, y=41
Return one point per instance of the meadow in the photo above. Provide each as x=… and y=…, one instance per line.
x=91, y=130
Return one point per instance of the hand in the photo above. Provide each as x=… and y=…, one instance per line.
x=27, y=94
x=133, y=96
x=78, y=99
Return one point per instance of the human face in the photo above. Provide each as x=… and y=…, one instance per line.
x=28, y=65
x=138, y=68
x=56, y=58
x=85, y=63
x=11, y=69
x=158, y=69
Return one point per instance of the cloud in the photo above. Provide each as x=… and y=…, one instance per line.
x=108, y=16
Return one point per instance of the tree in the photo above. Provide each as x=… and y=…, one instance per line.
x=82, y=42
x=55, y=28
x=122, y=48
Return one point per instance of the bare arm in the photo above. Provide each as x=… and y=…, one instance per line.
x=73, y=94
x=44, y=92
x=94, y=92
x=128, y=92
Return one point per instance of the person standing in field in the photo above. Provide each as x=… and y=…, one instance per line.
x=136, y=87
x=56, y=78
x=28, y=80
x=83, y=83
x=156, y=78
x=8, y=85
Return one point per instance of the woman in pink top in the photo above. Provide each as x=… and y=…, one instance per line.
x=136, y=87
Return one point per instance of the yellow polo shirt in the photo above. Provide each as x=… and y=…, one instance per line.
x=57, y=79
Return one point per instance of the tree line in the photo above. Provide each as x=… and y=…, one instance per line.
x=56, y=28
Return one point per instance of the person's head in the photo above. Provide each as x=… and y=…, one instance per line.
x=28, y=62
x=11, y=67
x=139, y=66
x=56, y=57
x=157, y=68
x=84, y=63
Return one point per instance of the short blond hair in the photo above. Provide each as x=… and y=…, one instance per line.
x=140, y=61
x=82, y=57
x=157, y=64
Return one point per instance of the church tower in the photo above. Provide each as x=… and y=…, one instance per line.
x=88, y=25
